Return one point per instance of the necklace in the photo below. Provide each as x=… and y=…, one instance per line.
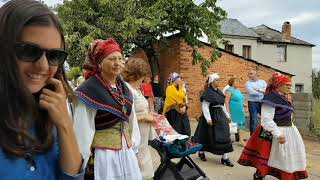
x=118, y=96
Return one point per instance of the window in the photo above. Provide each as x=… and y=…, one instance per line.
x=299, y=88
x=246, y=52
x=282, y=53
x=228, y=47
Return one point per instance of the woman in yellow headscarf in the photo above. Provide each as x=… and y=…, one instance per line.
x=175, y=106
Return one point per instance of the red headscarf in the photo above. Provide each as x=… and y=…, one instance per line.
x=276, y=81
x=98, y=50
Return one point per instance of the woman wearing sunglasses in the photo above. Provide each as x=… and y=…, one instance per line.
x=105, y=120
x=37, y=140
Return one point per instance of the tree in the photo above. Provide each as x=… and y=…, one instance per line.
x=140, y=24
x=316, y=83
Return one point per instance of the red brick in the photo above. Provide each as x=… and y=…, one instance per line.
x=177, y=57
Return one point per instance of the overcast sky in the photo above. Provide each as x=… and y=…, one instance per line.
x=304, y=15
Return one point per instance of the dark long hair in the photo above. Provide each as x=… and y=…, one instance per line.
x=19, y=108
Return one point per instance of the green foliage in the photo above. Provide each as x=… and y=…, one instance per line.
x=316, y=83
x=140, y=23
x=74, y=73
x=316, y=118
x=316, y=108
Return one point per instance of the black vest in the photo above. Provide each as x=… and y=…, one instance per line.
x=214, y=97
x=95, y=94
x=284, y=108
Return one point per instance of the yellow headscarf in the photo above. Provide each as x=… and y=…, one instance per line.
x=174, y=98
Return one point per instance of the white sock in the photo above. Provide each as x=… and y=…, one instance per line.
x=225, y=156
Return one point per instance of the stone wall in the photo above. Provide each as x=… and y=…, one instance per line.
x=303, y=104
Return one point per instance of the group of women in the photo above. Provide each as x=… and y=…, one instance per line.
x=276, y=147
x=50, y=132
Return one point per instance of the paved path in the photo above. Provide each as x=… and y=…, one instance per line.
x=216, y=171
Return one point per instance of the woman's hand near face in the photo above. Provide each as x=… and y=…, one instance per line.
x=55, y=103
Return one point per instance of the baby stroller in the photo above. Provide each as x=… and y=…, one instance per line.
x=172, y=145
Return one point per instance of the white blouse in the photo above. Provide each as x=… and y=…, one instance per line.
x=84, y=126
x=206, y=111
x=267, y=115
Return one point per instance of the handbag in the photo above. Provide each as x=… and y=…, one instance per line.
x=233, y=128
x=264, y=134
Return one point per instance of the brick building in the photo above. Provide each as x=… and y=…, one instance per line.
x=176, y=56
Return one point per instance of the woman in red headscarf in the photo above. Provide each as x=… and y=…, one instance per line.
x=104, y=118
x=276, y=147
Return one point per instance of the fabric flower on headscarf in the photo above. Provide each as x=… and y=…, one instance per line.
x=276, y=81
x=172, y=77
x=213, y=77
x=98, y=50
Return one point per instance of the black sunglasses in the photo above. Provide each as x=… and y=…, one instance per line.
x=29, y=52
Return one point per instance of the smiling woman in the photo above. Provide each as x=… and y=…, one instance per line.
x=37, y=140
x=35, y=64
x=105, y=120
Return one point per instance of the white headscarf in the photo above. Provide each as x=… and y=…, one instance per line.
x=172, y=77
x=213, y=77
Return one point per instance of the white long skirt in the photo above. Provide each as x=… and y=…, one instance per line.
x=116, y=165
x=144, y=155
x=291, y=155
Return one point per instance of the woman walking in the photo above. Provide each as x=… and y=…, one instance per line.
x=276, y=147
x=105, y=119
x=134, y=73
x=213, y=128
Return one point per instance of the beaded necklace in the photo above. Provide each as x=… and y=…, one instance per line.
x=118, y=96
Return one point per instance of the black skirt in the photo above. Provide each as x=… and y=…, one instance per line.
x=179, y=122
x=216, y=138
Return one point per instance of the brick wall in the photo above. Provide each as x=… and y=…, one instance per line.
x=177, y=56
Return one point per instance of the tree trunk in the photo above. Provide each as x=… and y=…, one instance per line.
x=152, y=58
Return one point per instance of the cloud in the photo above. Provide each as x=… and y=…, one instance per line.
x=52, y=2
x=303, y=15
x=305, y=18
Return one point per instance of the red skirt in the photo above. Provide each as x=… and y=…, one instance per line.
x=256, y=154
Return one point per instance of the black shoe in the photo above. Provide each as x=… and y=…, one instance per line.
x=257, y=177
x=202, y=156
x=227, y=162
x=237, y=137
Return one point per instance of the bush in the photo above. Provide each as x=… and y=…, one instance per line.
x=316, y=83
x=74, y=73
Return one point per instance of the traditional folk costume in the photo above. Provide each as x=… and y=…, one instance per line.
x=175, y=99
x=263, y=151
x=106, y=124
x=216, y=138
x=141, y=106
